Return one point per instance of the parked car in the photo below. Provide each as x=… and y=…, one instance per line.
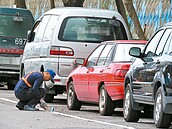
x=148, y=81
x=99, y=78
x=63, y=34
x=14, y=24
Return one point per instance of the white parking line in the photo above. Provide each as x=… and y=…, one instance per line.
x=96, y=121
x=77, y=117
x=8, y=100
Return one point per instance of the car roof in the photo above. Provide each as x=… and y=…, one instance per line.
x=12, y=11
x=80, y=11
x=168, y=24
x=125, y=42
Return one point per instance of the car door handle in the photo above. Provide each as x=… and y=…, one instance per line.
x=145, y=63
x=158, y=62
x=101, y=70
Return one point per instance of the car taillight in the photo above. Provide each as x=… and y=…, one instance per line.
x=65, y=51
x=11, y=51
x=120, y=72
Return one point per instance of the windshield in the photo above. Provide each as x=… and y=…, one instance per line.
x=14, y=26
x=89, y=29
x=123, y=49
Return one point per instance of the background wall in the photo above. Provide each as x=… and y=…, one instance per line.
x=151, y=13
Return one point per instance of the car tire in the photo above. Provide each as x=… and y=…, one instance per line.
x=49, y=98
x=72, y=101
x=130, y=115
x=10, y=86
x=106, y=105
x=161, y=120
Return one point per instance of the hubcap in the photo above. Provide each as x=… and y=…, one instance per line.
x=158, y=107
x=70, y=96
x=126, y=103
x=102, y=100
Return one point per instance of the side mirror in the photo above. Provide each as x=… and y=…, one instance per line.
x=30, y=36
x=135, y=51
x=78, y=61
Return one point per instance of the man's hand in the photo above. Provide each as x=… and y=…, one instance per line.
x=43, y=104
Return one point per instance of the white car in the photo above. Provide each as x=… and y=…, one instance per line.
x=63, y=34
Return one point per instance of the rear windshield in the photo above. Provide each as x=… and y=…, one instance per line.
x=14, y=26
x=88, y=29
x=122, y=52
x=13, y=31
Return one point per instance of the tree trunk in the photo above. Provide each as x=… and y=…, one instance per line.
x=20, y=4
x=132, y=13
x=73, y=3
x=52, y=4
x=121, y=10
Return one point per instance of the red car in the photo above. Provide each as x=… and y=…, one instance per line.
x=100, y=77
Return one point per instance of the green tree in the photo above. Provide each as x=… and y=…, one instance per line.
x=73, y=3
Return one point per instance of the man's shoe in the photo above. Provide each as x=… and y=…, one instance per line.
x=30, y=108
x=20, y=106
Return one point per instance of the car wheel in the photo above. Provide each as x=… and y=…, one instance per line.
x=10, y=86
x=106, y=105
x=130, y=115
x=72, y=101
x=161, y=119
x=49, y=98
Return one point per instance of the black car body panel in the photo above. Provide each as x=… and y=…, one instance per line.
x=151, y=70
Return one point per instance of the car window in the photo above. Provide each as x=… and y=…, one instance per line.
x=162, y=42
x=36, y=26
x=169, y=41
x=91, y=29
x=41, y=29
x=150, y=49
x=103, y=55
x=94, y=56
x=121, y=52
x=50, y=28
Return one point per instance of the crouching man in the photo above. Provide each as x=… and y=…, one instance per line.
x=29, y=92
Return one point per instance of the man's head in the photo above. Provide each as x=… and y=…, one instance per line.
x=49, y=75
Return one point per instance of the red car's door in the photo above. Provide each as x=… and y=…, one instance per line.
x=83, y=73
x=95, y=77
x=81, y=82
x=98, y=73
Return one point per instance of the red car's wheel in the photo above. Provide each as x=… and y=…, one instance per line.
x=106, y=105
x=72, y=102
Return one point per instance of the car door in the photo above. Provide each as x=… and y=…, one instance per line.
x=97, y=74
x=82, y=82
x=140, y=65
x=40, y=42
x=152, y=61
x=28, y=53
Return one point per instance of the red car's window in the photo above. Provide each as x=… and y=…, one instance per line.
x=104, y=55
x=122, y=52
x=94, y=56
